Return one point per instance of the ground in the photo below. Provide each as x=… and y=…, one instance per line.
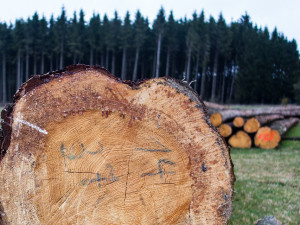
x=267, y=182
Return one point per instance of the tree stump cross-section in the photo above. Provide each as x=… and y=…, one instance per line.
x=82, y=147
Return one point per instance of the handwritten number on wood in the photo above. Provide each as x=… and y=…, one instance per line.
x=160, y=171
x=100, y=178
x=81, y=154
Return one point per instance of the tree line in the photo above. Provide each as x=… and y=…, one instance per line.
x=236, y=62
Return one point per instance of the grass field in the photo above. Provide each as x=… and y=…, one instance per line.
x=267, y=182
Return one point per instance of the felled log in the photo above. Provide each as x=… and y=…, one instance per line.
x=270, y=137
x=230, y=114
x=238, y=122
x=83, y=147
x=225, y=130
x=240, y=140
x=214, y=107
x=253, y=124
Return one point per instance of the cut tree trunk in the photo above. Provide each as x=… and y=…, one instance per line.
x=225, y=130
x=270, y=137
x=238, y=122
x=240, y=140
x=252, y=125
x=96, y=150
x=284, y=111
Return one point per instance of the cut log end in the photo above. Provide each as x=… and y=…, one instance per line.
x=96, y=150
x=216, y=119
x=267, y=138
x=225, y=130
x=238, y=122
x=240, y=140
x=252, y=125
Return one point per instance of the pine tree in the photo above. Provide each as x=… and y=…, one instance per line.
x=139, y=29
x=126, y=36
x=94, y=36
x=159, y=27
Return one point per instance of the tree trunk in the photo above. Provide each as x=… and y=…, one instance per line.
x=234, y=73
x=61, y=61
x=91, y=56
x=168, y=62
x=225, y=130
x=154, y=65
x=27, y=63
x=106, y=154
x=188, y=67
x=158, y=55
x=51, y=62
x=203, y=78
x=42, y=63
x=230, y=114
x=253, y=124
x=240, y=140
x=223, y=84
x=4, y=96
x=113, y=62
x=107, y=58
x=34, y=64
x=270, y=137
x=214, y=81
x=123, y=73
x=196, y=73
x=102, y=59
x=136, y=61
x=19, y=69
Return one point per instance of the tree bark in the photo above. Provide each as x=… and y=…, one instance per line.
x=123, y=72
x=158, y=55
x=136, y=62
x=4, y=93
x=90, y=154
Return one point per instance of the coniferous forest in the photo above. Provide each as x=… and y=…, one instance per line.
x=227, y=63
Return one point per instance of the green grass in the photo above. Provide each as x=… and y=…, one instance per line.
x=267, y=183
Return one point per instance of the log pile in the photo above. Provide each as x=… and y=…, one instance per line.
x=262, y=127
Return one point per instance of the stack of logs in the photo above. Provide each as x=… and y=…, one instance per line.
x=262, y=127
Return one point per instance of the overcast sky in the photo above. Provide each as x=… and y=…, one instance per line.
x=285, y=15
